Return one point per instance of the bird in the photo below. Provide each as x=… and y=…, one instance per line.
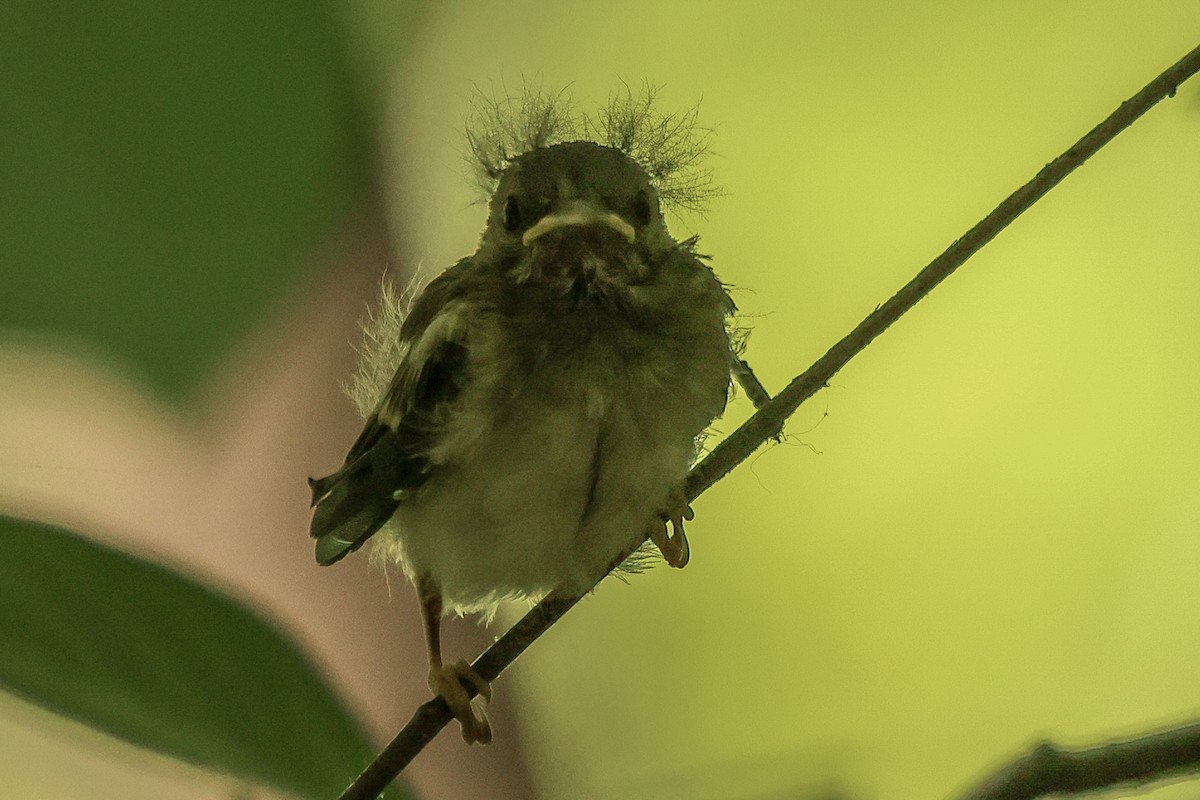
x=546, y=406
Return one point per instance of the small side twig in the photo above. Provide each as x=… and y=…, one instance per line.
x=750, y=383
x=1051, y=770
x=769, y=419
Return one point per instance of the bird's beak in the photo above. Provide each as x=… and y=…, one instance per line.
x=578, y=212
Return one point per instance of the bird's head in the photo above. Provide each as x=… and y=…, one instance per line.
x=576, y=216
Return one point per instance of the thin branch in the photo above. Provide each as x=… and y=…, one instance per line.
x=1051, y=770
x=769, y=419
x=746, y=439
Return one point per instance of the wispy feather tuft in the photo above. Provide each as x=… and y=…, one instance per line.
x=381, y=350
x=671, y=147
x=501, y=128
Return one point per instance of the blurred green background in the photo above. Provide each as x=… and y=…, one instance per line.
x=165, y=166
x=984, y=532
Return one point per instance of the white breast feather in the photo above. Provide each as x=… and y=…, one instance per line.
x=548, y=494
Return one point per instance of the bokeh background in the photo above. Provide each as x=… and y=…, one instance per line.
x=983, y=533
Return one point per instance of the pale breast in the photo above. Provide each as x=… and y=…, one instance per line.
x=556, y=458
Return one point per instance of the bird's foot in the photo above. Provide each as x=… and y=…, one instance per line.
x=674, y=545
x=450, y=681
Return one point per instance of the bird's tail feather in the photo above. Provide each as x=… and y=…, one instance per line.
x=353, y=503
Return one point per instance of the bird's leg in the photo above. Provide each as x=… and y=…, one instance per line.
x=674, y=548
x=450, y=680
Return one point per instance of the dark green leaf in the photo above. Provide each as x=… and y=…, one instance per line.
x=165, y=169
x=143, y=653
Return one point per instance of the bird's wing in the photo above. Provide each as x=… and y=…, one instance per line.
x=390, y=456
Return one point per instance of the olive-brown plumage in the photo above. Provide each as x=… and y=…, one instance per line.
x=547, y=401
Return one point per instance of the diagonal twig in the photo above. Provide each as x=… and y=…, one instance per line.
x=768, y=420
x=1051, y=770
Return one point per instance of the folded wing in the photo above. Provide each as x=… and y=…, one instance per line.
x=390, y=456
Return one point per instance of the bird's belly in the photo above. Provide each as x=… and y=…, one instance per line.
x=547, y=500
x=553, y=489
x=501, y=523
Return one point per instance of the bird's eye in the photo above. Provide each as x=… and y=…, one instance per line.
x=641, y=208
x=512, y=215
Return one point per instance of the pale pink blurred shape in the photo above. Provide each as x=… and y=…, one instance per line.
x=222, y=495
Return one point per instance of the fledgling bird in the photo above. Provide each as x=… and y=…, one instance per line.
x=547, y=403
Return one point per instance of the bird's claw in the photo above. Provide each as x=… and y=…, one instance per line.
x=673, y=546
x=450, y=682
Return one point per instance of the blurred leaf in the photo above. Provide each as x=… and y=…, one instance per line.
x=166, y=167
x=143, y=653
